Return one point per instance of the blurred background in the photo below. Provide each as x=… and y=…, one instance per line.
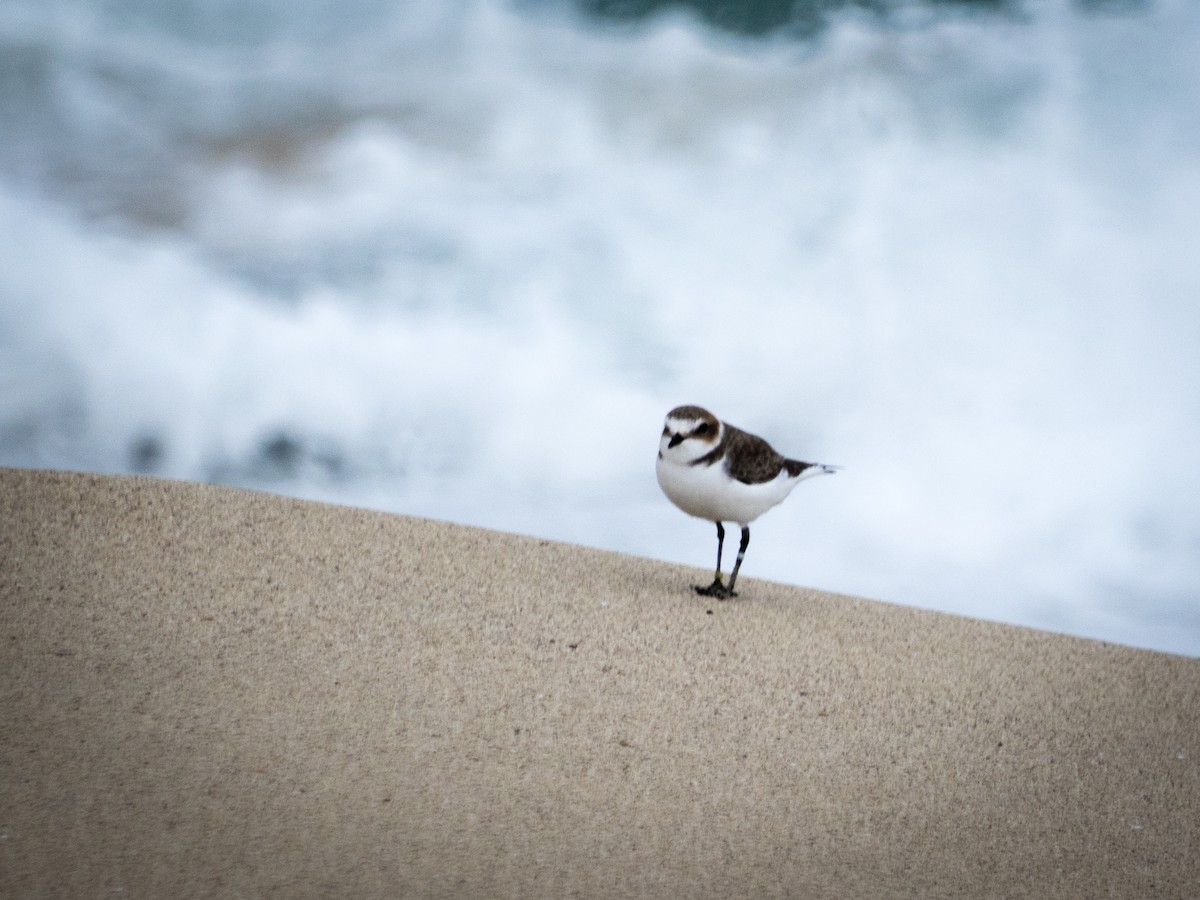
x=457, y=258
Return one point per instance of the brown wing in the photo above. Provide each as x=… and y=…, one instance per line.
x=750, y=459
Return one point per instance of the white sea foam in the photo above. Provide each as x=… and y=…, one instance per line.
x=458, y=260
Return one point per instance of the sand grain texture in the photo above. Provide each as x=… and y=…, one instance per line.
x=217, y=693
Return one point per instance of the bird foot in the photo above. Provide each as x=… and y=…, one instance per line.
x=716, y=589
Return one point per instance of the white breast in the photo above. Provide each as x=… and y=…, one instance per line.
x=708, y=492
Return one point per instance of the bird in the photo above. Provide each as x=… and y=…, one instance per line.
x=713, y=470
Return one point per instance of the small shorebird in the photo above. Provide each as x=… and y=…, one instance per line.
x=715, y=471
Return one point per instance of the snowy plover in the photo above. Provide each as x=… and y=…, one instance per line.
x=715, y=471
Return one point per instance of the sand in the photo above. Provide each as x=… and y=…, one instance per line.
x=207, y=692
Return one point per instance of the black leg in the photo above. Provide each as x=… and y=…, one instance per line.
x=741, y=553
x=717, y=588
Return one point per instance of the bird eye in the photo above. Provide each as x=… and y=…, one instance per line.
x=702, y=428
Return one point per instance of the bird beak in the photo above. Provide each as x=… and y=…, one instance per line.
x=676, y=440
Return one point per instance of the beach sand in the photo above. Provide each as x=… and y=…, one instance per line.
x=207, y=692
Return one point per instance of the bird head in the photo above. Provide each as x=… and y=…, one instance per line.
x=688, y=433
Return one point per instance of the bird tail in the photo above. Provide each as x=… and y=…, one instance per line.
x=798, y=469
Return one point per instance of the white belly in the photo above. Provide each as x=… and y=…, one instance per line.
x=707, y=492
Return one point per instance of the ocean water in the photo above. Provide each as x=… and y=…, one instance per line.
x=457, y=259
